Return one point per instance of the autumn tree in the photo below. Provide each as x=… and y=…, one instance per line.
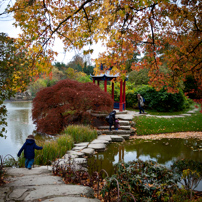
x=17, y=69
x=126, y=27
x=68, y=102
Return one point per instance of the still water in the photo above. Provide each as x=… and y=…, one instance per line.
x=19, y=126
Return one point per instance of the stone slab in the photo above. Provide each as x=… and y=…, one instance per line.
x=49, y=191
x=77, y=153
x=186, y=114
x=104, y=137
x=98, y=141
x=80, y=161
x=25, y=171
x=116, y=138
x=3, y=192
x=88, y=151
x=82, y=144
x=78, y=148
x=17, y=193
x=36, y=180
x=115, y=132
x=71, y=199
x=126, y=137
x=97, y=147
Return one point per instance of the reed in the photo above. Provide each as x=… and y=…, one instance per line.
x=81, y=133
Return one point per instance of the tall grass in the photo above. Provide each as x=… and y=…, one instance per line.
x=81, y=133
x=153, y=125
x=57, y=148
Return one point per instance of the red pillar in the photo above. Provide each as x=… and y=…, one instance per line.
x=98, y=82
x=113, y=90
x=105, y=85
x=121, y=96
x=93, y=80
x=124, y=94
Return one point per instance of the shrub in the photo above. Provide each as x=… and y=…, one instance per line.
x=68, y=102
x=147, y=181
x=158, y=100
x=81, y=133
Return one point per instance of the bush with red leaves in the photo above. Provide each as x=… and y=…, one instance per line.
x=68, y=102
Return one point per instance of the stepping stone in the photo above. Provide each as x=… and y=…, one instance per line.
x=78, y=148
x=126, y=137
x=186, y=114
x=98, y=147
x=97, y=141
x=117, y=138
x=115, y=132
x=107, y=127
x=71, y=199
x=88, y=151
x=124, y=123
x=49, y=191
x=80, y=161
x=104, y=137
x=76, y=153
x=82, y=144
x=36, y=180
x=191, y=112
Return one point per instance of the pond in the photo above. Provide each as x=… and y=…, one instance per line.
x=163, y=151
x=19, y=126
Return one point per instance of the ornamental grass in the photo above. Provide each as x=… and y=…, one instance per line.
x=81, y=133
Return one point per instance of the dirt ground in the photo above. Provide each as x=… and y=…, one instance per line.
x=184, y=135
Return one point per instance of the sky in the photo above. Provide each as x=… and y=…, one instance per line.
x=7, y=27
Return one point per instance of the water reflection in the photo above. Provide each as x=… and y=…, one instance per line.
x=19, y=126
x=163, y=151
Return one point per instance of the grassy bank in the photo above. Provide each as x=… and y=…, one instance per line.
x=153, y=125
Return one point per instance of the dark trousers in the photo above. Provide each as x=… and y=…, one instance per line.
x=140, y=108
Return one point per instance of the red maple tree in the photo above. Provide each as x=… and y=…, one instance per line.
x=68, y=102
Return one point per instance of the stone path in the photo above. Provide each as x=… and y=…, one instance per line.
x=39, y=184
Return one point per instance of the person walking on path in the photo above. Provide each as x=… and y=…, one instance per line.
x=29, y=146
x=140, y=103
x=111, y=119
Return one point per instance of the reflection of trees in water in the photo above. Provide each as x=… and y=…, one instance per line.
x=19, y=120
x=163, y=151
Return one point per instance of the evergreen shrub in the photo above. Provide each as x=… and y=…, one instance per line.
x=161, y=101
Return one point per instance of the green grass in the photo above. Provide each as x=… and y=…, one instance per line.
x=153, y=125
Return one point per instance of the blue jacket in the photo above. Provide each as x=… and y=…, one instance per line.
x=29, y=146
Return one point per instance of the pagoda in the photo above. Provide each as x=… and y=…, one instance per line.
x=109, y=76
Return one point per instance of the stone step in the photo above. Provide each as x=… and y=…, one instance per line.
x=107, y=127
x=124, y=123
x=115, y=132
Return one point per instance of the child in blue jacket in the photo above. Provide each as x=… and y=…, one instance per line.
x=29, y=146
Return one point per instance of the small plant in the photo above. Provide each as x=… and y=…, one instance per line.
x=190, y=172
x=7, y=161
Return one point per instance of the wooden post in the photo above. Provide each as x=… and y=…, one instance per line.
x=98, y=82
x=105, y=84
x=113, y=90
x=121, y=96
x=93, y=80
x=124, y=94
